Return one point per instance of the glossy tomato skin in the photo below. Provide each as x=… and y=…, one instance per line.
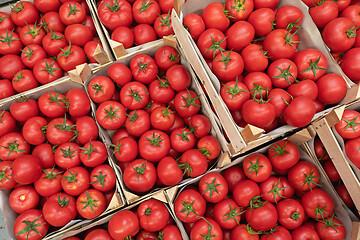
x=44, y=152
x=300, y=112
x=244, y=191
x=75, y=181
x=349, y=64
x=205, y=42
x=223, y=210
x=87, y=129
x=24, y=80
x=184, y=211
x=262, y=218
x=24, y=109
x=161, y=91
x=348, y=127
x=33, y=130
x=201, y=124
x=97, y=234
x=47, y=70
x=239, y=35
x=239, y=12
x=324, y=13
x=297, y=176
x=187, y=103
x=303, y=60
x=275, y=44
x=218, y=182
x=257, y=167
x=85, y=204
x=178, y=77
x=6, y=181
x=53, y=104
x=59, y=209
x=286, y=76
x=67, y=155
x=166, y=57
x=143, y=68
x=291, y=213
x=171, y=232
x=332, y=88
x=233, y=176
x=194, y=24
x=154, y=145
x=182, y=139
x=318, y=204
x=144, y=33
x=344, y=195
x=6, y=22
x=229, y=70
x=243, y=231
x=79, y=102
x=153, y=215
x=52, y=42
x=113, y=19
x=138, y=123
x=69, y=16
x=194, y=163
x=123, y=35
x=288, y=14
x=215, y=17
x=78, y=34
x=52, y=21
x=26, y=13
x=49, y=182
x=305, y=232
x=168, y=171
x=279, y=99
x=134, y=95
x=351, y=147
x=31, y=54
x=101, y=89
x=254, y=58
x=140, y=175
x=123, y=224
x=103, y=178
x=283, y=154
x=74, y=56
x=8, y=89
x=202, y=228
x=15, y=140
x=258, y=114
x=93, y=154
x=26, y=169
x=23, y=198
x=336, y=37
x=7, y=123
x=11, y=64
x=145, y=12
x=115, y=119
x=328, y=232
x=31, y=215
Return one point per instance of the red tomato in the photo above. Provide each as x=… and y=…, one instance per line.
x=239, y=35
x=257, y=167
x=239, y=10
x=168, y=171
x=349, y=126
x=26, y=169
x=6, y=22
x=123, y=224
x=111, y=115
x=182, y=139
x=332, y=88
x=31, y=54
x=10, y=42
x=123, y=35
x=52, y=43
x=187, y=103
x=23, y=109
x=193, y=162
x=304, y=232
x=32, y=34
x=59, y=209
x=154, y=145
x=283, y=72
x=283, y=154
x=30, y=224
x=244, y=191
x=115, y=13
x=51, y=20
x=323, y=13
x=11, y=64
x=134, y=95
x=79, y=102
x=189, y=205
x=349, y=64
x=160, y=91
x=243, y=231
x=7, y=87
x=24, y=80
x=228, y=65
x=262, y=20
x=211, y=42
x=103, y=178
x=179, y=77
x=281, y=44
x=214, y=16
x=6, y=176
x=44, y=152
x=317, y=204
x=13, y=145
x=143, y=68
x=206, y=228
x=144, y=33
x=78, y=34
x=213, y=187
x=227, y=214
x=311, y=64
x=331, y=228
x=140, y=175
x=91, y=203
x=304, y=176
x=47, y=70
x=23, y=198
x=75, y=181
x=98, y=233
x=352, y=12
x=101, y=89
x=137, y=123
x=233, y=176
x=194, y=24
x=300, y=112
x=162, y=25
x=288, y=17
x=280, y=99
x=70, y=57
x=291, y=213
x=49, y=182
x=145, y=12
x=255, y=59
x=262, y=216
x=93, y=154
x=24, y=13
x=257, y=113
x=167, y=57
x=33, y=130
x=119, y=73
x=153, y=215
x=72, y=13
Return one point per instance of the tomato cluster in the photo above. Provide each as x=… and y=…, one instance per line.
x=135, y=22
x=249, y=202
x=156, y=118
x=266, y=81
x=53, y=162
x=339, y=22
x=40, y=41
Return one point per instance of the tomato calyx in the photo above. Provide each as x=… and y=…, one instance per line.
x=276, y=190
x=292, y=25
x=2, y=18
x=21, y=99
x=33, y=31
x=205, y=152
x=145, y=6
x=211, y=187
x=17, y=9
x=100, y=179
x=44, y=24
x=55, y=99
x=285, y=74
x=155, y=141
x=117, y=147
x=71, y=178
x=239, y=5
x=13, y=147
x=165, y=83
x=8, y=38
x=49, y=68
x=88, y=151
x=279, y=150
x=30, y=226
x=51, y=175
x=288, y=38
x=256, y=202
x=73, y=10
x=329, y=223
x=188, y=208
x=135, y=95
x=309, y=180
x=165, y=22
x=3, y=175
x=235, y=90
x=111, y=113
x=351, y=32
x=251, y=231
x=187, y=169
x=97, y=88
x=166, y=112
x=190, y=101
x=351, y=123
x=29, y=53
x=173, y=57
x=89, y=202
x=63, y=126
x=320, y=210
x=139, y=170
x=133, y=117
x=313, y=66
x=254, y=166
x=232, y=214
x=225, y=59
x=115, y=7
x=18, y=77
x=147, y=211
x=54, y=36
x=63, y=202
x=160, y=236
x=258, y=90
x=142, y=66
x=295, y=216
x=67, y=52
x=215, y=46
x=184, y=135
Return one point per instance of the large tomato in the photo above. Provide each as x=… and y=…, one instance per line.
x=305, y=232
x=262, y=216
x=49, y=182
x=304, y=176
x=349, y=126
x=60, y=130
x=34, y=130
x=47, y=70
x=72, y=13
x=23, y=109
x=280, y=99
x=6, y=177
x=70, y=57
x=143, y=68
x=350, y=64
x=140, y=175
x=101, y=89
x=115, y=13
x=111, y=115
x=211, y=42
x=166, y=57
x=134, y=95
x=213, y=187
x=206, y=228
x=26, y=169
x=288, y=17
x=30, y=224
x=239, y=10
x=193, y=163
x=75, y=181
x=311, y=64
x=291, y=213
x=153, y=215
x=146, y=11
x=124, y=224
x=262, y=20
x=189, y=205
x=187, y=103
x=281, y=44
x=239, y=35
x=78, y=34
x=79, y=102
x=255, y=59
x=91, y=203
x=283, y=72
x=178, y=77
x=194, y=24
x=258, y=113
x=214, y=16
x=300, y=112
x=9, y=42
x=24, y=13
x=11, y=64
x=154, y=145
x=332, y=88
x=228, y=65
x=23, y=198
x=283, y=154
x=24, y=80
x=169, y=172
x=318, y=204
x=323, y=13
x=52, y=43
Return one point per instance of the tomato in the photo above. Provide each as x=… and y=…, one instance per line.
x=70, y=57
x=111, y=115
x=254, y=57
x=154, y=145
x=280, y=99
x=145, y=12
x=257, y=167
x=52, y=42
x=288, y=17
x=124, y=224
x=278, y=232
x=317, y=204
x=72, y=13
x=351, y=149
x=144, y=33
x=79, y=102
x=178, y=77
x=233, y=176
x=189, y=205
x=86, y=129
x=339, y=34
x=281, y=44
x=262, y=216
x=26, y=169
x=193, y=162
x=187, y=103
x=332, y=88
x=227, y=214
x=32, y=54
x=24, y=13
x=47, y=5
x=92, y=154
x=304, y=176
x=161, y=91
x=211, y=42
x=23, y=109
x=210, y=147
x=59, y=131
x=228, y=65
x=78, y=34
x=349, y=126
x=170, y=232
x=244, y=191
x=320, y=150
x=123, y=35
x=311, y=64
x=182, y=139
x=331, y=228
x=13, y=145
x=162, y=25
x=168, y=171
x=304, y=232
x=30, y=224
x=49, y=182
x=194, y=24
x=11, y=64
x=119, y=73
x=213, y=187
x=6, y=22
x=239, y=35
x=300, y=112
x=33, y=130
x=98, y=233
x=283, y=72
x=59, y=209
x=214, y=16
x=23, y=198
x=167, y=57
x=242, y=232
x=140, y=175
x=103, y=178
x=153, y=215
x=349, y=64
x=7, y=87
x=323, y=13
x=47, y=70
x=115, y=13
x=6, y=176
x=162, y=118
x=101, y=89
x=291, y=213
x=283, y=154
x=53, y=104
x=24, y=80
x=10, y=42
x=32, y=34
x=134, y=95
x=51, y=22
x=259, y=114
x=7, y=123
x=143, y=68
x=90, y=204
x=75, y=181
x=137, y=123
x=234, y=94
x=304, y=88
x=44, y=152
x=206, y=228
x=201, y=125
x=262, y=20
x=239, y=10
x=90, y=48
x=352, y=13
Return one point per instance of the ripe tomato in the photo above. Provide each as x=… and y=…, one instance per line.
x=206, y=228
x=304, y=176
x=90, y=48
x=6, y=176
x=167, y=57
x=243, y=231
x=26, y=169
x=75, y=181
x=213, y=187
x=143, y=68
x=11, y=64
x=33, y=130
x=323, y=13
x=239, y=10
x=194, y=24
x=7, y=87
x=101, y=89
x=262, y=20
x=317, y=204
x=154, y=145
x=305, y=88
x=6, y=22
x=331, y=228
x=7, y=123
x=283, y=72
x=291, y=213
x=182, y=139
x=72, y=13
x=168, y=171
x=170, y=232
x=255, y=59
x=53, y=41
x=162, y=25
x=97, y=233
x=91, y=203
x=23, y=198
x=24, y=13
x=119, y=73
x=211, y=42
x=13, y=145
x=51, y=20
x=111, y=115
x=339, y=34
x=214, y=16
x=200, y=124
x=30, y=224
x=23, y=109
x=59, y=209
x=31, y=54
x=189, y=205
x=24, y=80
x=140, y=175
x=239, y=35
x=49, y=182
x=349, y=64
x=305, y=232
x=134, y=95
x=281, y=44
x=311, y=64
x=300, y=112
x=233, y=176
x=144, y=33
x=153, y=215
x=272, y=189
x=92, y=154
x=262, y=216
x=47, y=70
x=178, y=77
x=193, y=162
x=332, y=88
x=44, y=152
x=257, y=113
x=123, y=35
x=257, y=167
x=59, y=131
x=123, y=224
x=280, y=99
x=244, y=191
x=53, y=104
x=288, y=17
x=103, y=178
x=160, y=91
x=283, y=154
x=78, y=34
x=349, y=126
x=187, y=103
x=115, y=13
x=70, y=57
x=32, y=34
x=352, y=13
x=234, y=94
x=228, y=65
x=227, y=214
x=145, y=11
x=210, y=147
x=162, y=118
x=79, y=102
x=86, y=129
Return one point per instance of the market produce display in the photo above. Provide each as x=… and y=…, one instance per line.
x=53, y=162
x=248, y=202
x=339, y=22
x=41, y=40
x=160, y=134
x=265, y=80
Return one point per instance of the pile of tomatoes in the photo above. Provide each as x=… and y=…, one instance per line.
x=135, y=22
x=42, y=40
x=266, y=81
x=339, y=22
x=249, y=202
x=160, y=136
x=148, y=221
x=53, y=162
